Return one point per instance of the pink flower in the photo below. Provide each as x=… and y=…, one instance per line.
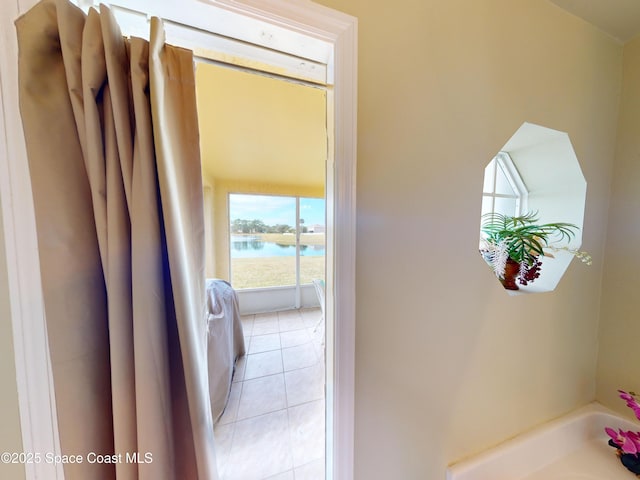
x=631, y=442
x=625, y=396
x=632, y=403
x=614, y=436
x=628, y=442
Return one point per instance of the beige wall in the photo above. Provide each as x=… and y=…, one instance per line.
x=618, y=366
x=10, y=434
x=447, y=364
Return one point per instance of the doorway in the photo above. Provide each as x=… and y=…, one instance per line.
x=264, y=154
x=284, y=36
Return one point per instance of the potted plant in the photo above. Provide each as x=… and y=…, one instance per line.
x=627, y=443
x=513, y=246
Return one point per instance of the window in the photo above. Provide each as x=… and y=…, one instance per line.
x=276, y=240
x=312, y=239
x=504, y=191
x=535, y=173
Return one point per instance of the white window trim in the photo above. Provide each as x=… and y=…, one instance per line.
x=521, y=193
x=298, y=233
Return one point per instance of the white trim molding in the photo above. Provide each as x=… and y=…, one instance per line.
x=33, y=372
x=316, y=35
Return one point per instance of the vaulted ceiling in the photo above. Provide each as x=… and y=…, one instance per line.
x=618, y=18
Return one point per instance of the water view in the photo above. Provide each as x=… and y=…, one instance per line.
x=254, y=247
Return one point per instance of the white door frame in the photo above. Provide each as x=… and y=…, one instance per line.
x=300, y=28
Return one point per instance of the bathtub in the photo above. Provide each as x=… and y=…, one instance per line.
x=573, y=447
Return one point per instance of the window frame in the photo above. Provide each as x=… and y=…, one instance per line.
x=298, y=226
x=504, y=162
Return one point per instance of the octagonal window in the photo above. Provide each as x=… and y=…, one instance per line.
x=532, y=210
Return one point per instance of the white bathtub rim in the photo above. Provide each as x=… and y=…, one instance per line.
x=541, y=446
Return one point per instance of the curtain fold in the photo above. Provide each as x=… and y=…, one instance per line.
x=112, y=139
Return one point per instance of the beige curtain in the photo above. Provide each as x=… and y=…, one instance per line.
x=112, y=139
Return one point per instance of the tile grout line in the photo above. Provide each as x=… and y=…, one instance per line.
x=319, y=359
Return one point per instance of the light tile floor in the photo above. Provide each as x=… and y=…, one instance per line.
x=273, y=427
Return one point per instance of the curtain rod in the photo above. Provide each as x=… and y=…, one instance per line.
x=204, y=55
x=218, y=49
x=202, y=58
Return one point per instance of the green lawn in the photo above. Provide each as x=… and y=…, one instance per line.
x=272, y=271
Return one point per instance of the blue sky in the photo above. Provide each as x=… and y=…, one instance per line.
x=273, y=210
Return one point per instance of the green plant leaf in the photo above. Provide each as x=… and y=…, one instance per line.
x=523, y=237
